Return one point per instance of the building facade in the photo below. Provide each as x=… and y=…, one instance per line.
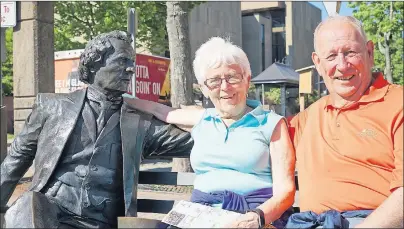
x=267, y=31
x=285, y=34
x=207, y=20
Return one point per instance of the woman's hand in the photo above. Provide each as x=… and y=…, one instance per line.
x=248, y=220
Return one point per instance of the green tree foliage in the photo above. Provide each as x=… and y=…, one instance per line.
x=384, y=25
x=7, y=66
x=273, y=95
x=77, y=22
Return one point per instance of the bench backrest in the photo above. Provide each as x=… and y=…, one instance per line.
x=177, y=179
x=162, y=178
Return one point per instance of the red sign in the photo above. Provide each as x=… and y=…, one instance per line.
x=152, y=78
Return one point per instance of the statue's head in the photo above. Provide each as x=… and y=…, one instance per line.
x=107, y=62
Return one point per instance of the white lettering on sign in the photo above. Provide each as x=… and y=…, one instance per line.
x=68, y=83
x=156, y=88
x=59, y=83
x=142, y=87
x=8, y=14
x=142, y=72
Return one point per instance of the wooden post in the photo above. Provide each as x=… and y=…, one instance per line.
x=301, y=101
x=283, y=100
x=33, y=57
x=3, y=111
x=263, y=94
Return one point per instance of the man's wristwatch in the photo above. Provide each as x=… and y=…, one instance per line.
x=261, y=216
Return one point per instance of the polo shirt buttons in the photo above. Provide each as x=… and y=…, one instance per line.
x=338, y=125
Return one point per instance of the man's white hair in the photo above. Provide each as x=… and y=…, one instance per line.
x=216, y=52
x=351, y=20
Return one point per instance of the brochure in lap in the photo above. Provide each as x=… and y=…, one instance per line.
x=186, y=214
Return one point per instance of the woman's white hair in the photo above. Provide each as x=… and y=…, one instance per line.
x=351, y=20
x=216, y=52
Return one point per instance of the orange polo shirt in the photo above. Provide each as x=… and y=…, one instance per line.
x=350, y=159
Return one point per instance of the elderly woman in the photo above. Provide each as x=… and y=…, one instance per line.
x=243, y=157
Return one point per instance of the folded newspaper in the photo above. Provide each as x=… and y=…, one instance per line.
x=186, y=214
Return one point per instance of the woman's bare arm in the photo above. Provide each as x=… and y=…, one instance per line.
x=184, y=118
x=283, y=173
x=283, y=168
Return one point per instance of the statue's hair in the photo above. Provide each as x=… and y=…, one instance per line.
x=215, y=52
x=96, y=51
x=351, y=20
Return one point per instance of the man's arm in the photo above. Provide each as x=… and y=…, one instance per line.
x=21, y=153
x=166, y=141
x=387, y=215
x=390, y=213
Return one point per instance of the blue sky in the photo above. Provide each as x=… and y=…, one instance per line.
x=345, y=10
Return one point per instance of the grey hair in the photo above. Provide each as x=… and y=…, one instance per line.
x=96, y=51
x=215, y=52
x=351, y=20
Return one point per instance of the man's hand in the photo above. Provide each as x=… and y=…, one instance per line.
x=248, y=220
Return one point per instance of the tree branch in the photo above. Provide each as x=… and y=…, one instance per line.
x=381, y=47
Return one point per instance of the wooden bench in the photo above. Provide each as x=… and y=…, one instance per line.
x=157, y=205
x=164, y=206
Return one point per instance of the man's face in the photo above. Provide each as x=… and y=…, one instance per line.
x=344, y=60
x=230, y=97
x=117, y=72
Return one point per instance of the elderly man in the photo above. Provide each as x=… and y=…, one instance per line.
x=349, y=144
x=87, y=147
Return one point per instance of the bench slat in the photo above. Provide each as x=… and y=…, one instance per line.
x=155, y=206
x=135, y=222
x=166, y=178
x=173, y=178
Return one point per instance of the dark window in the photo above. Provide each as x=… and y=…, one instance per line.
x=278, y=46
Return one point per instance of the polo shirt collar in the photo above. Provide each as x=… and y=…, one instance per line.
x=376, y=91
x=258, y=113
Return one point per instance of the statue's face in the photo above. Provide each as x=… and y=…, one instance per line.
x=117, y=69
